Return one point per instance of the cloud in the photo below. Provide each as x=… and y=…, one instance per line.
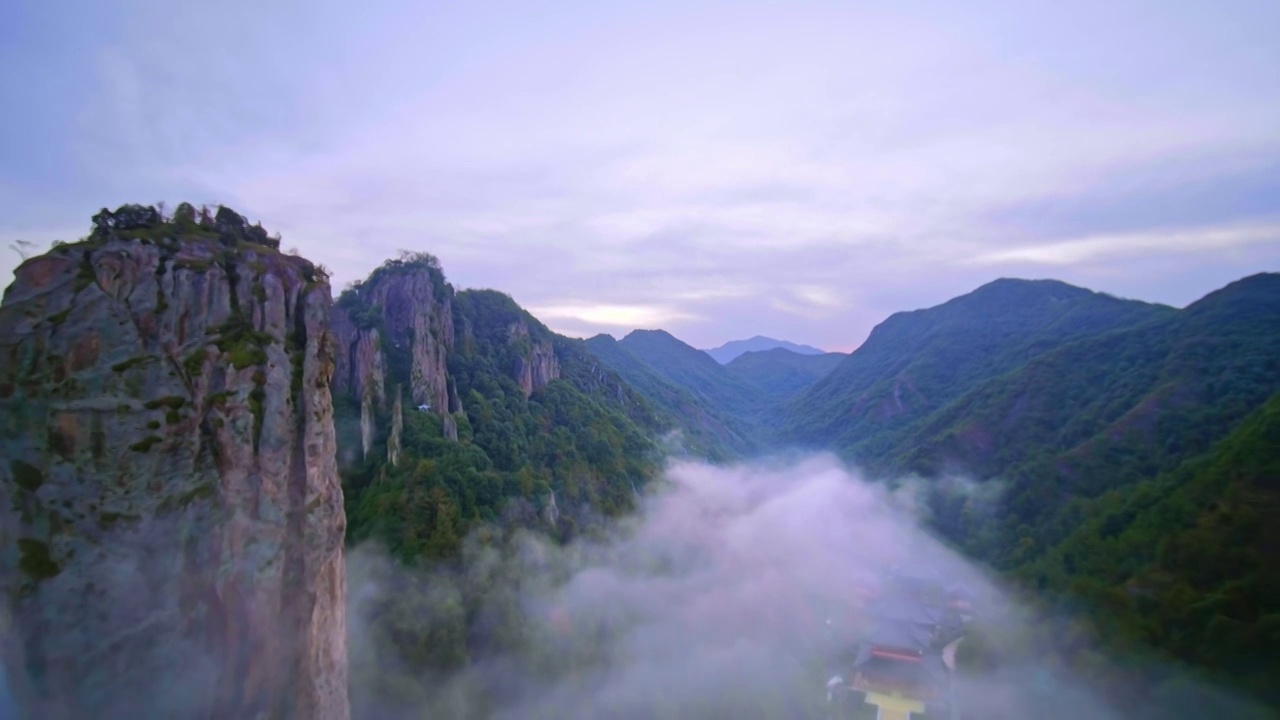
x=614, y=316
x=1171, y=240
x=612, y=155
x=734, y=592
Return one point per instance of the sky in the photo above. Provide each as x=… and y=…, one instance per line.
x=717, y=169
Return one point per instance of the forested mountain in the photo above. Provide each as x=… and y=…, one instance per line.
x=460, y=412
x=705, y=431
x=692, y=369
x=1101, y=412
x=1185, y=561
x=780, y=373
x=721, y=410
x=1136, y=476
x=1131, y=447
x=453, y=407
x=727, y=352
x=915, y=363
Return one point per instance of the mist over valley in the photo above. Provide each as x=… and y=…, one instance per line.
x=633, y=360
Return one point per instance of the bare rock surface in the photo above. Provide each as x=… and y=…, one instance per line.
x=171, y=518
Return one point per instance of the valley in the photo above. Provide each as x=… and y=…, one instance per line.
x=188, y=409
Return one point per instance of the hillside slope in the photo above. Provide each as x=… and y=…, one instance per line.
x=704, y=431
x=720, y=411
x=1133, y=400
x=915, y=363
x=1131, y=449
x=780, y=373
x=462, y=417
x=1097, y=415
x=692, y=369
x=1135, y=480
x=1185, y=562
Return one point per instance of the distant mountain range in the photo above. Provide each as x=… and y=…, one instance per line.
x=1132, y=445
x=721, y=409
x=732, y=349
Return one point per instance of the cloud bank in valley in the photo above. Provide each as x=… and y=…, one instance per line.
x=734, y=592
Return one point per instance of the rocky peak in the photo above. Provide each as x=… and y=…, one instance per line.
x=169, y=477
x=401, y=318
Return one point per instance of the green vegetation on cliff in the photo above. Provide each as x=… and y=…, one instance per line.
x=547, y=438
x=583, y=435
x=162, y=474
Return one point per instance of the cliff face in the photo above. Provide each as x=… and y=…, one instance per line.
x=418, y=312
x=397, y=325
x=358, y=367
x=413, y=308
x=171, y=520
x=399, y=329
x=536, y=362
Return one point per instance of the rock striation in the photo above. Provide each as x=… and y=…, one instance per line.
x=171, y=519
x=400, y=327
x=536, y=363
x=411, y=304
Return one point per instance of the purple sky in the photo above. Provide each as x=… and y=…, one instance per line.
x=720, y=170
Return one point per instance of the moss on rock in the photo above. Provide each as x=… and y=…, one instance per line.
x=132, y=363
x=145, y=444
x=27, y=476
x=172, y=402
x=34, y=559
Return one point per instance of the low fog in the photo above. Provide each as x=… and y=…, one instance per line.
x=732, y=593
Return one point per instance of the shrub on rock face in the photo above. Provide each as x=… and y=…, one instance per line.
x=257, y=234
x=148, y=223
x=126, y=217
x=229, y=224
x=233, y=228
x=130, y=217
x=184, y=216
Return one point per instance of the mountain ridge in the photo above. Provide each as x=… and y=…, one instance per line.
x=1114, y=457
x=914, y=362
x=780, y=373
x=724, y=354
x=704, y=431
x=709, y=390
